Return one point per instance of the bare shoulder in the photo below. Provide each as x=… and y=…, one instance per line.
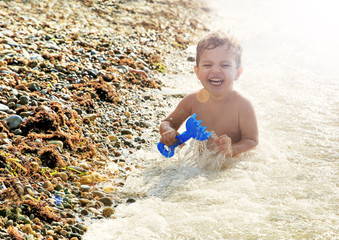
x=182, y=111
x=190, y=99
x=244, y=104
x=190, y=96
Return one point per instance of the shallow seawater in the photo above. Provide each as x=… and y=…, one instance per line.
x=287, y=188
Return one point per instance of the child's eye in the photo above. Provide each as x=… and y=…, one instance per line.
x=207, y=65
x=226, y=65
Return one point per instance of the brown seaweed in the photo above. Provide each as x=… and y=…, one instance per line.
x=51, y=158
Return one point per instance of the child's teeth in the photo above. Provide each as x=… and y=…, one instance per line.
x=216, y=81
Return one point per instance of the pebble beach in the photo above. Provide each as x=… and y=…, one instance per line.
x=80, y=93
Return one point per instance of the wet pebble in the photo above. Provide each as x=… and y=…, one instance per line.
x=84, y=212
x=24, y=100
x=106, y=201
x=130, y=200
x=107, y=212
x=34, y=87
x=3, y=108
x=14, y=121
x=11, y=105
x=191, y=59
x=11, y=42
x=17, y=131
x=145, y=124
x=98, y=194
x=64, y=233
x=62, y=175
x=126, y=131
x=84, y=166
x=48, y=186
x=26, y=114
x=90, y=117
x=3, y=135
x=57, y=142
x=83, y=201
x=85, y=188
x=94, y=210
x=12, y=99
x=27, y=228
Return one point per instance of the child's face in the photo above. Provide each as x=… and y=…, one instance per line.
x=218, y=70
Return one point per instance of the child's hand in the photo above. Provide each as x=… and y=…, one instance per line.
x=224, y=145
x=169, y=137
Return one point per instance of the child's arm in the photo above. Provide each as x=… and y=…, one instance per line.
x=169, y=127
x=168, y=133
x=248, y=129
x=224, y=144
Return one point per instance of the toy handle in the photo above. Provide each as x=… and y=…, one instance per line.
x=163, y=149
x=167, y=151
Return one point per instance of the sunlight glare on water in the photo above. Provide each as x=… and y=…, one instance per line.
x=287, y=187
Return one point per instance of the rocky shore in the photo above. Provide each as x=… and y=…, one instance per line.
x=78, y=84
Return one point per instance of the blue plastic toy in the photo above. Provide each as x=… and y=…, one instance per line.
x=193, y=130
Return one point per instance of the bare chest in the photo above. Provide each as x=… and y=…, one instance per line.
x=222, y=119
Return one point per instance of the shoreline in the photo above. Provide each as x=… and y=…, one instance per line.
x=76, y=98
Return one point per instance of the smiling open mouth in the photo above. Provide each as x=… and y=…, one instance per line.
x=216, y=81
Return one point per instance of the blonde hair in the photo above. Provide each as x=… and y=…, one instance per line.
x=220, y=38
